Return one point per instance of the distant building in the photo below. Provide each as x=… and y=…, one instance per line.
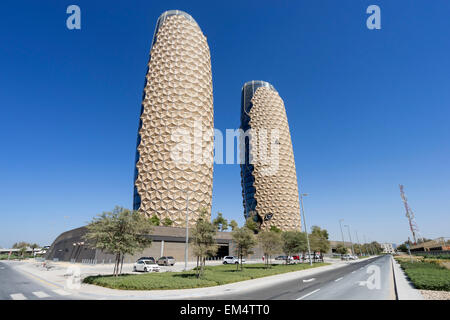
x=436, y=245
x=388, y=247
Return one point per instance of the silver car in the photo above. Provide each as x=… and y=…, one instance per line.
x=146, y=266
x=166, y=261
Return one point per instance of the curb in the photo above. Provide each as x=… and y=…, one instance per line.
x=404, y=289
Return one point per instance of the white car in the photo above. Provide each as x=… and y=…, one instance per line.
x=349, y=257
x=231, y=260
x=146, y=266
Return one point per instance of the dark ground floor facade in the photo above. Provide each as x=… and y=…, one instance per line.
x=166, y=241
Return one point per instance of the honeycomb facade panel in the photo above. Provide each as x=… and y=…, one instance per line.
x=268, y=178
x=177, y=97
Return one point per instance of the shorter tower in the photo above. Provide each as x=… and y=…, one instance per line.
x=268, y=174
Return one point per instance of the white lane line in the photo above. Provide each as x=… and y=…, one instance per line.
x=41, y=294
x=18, y=296
x=353, y=271
x=61, y=292
x=338, y=279
x=309, y=280
x=307, y=295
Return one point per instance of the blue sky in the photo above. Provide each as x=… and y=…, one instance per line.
x=368, y=109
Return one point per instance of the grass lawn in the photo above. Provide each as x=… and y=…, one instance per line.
x=426, y=275
x=13, y=256
x=213, y=276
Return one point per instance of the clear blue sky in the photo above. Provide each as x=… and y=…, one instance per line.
x=367, y=109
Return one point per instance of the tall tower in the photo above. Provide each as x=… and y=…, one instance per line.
x=268, y=174
x=177, y=110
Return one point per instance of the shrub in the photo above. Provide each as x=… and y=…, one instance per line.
x=426, y=275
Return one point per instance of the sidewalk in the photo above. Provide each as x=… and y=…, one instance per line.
x=57, y=276
x=404, y=288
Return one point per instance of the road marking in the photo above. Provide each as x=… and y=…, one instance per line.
x=61, y=292
x=307, y=295
x=309, y=280
x=2, y=268
x=41, y=294
x=18, y=296
x=338, y=279
x=353, y=271
x=39, y=279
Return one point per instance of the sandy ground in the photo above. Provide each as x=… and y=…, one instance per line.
x=435, y=295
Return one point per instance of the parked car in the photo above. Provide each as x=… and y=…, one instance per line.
x=146, y=266
x=307, y=256
x=231, y=260
x=166, y=261
x=147, y=258
x=289, y=259
x=349, y=257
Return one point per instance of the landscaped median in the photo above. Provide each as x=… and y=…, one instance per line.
x=213, y=276
x=426, y=274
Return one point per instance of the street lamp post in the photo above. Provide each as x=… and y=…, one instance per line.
x=342, y=233
x=359, y=244
x=187, y=233
x=306, y=229
x=350, y=236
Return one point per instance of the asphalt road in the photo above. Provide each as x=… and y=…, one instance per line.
x=370, y=279
x=365, y=280
x=14, y=285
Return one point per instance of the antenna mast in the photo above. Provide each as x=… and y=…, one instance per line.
x=409, y=214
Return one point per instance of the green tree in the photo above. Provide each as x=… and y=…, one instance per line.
x=21, y=244
x=154, y=220
x=376, y=247
x=319, y=240
x=233, y=225
x=167, y=222
x=251, y=225
x=203, y=241
x=220, y=223
x=33, y=247
x=270, y=243
x=119, y=232
x=22, y=251
x=341, y=249
x=316, y=230
x=403, y=247
x=275, y=229
x=293, y=242
x=244, y=240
